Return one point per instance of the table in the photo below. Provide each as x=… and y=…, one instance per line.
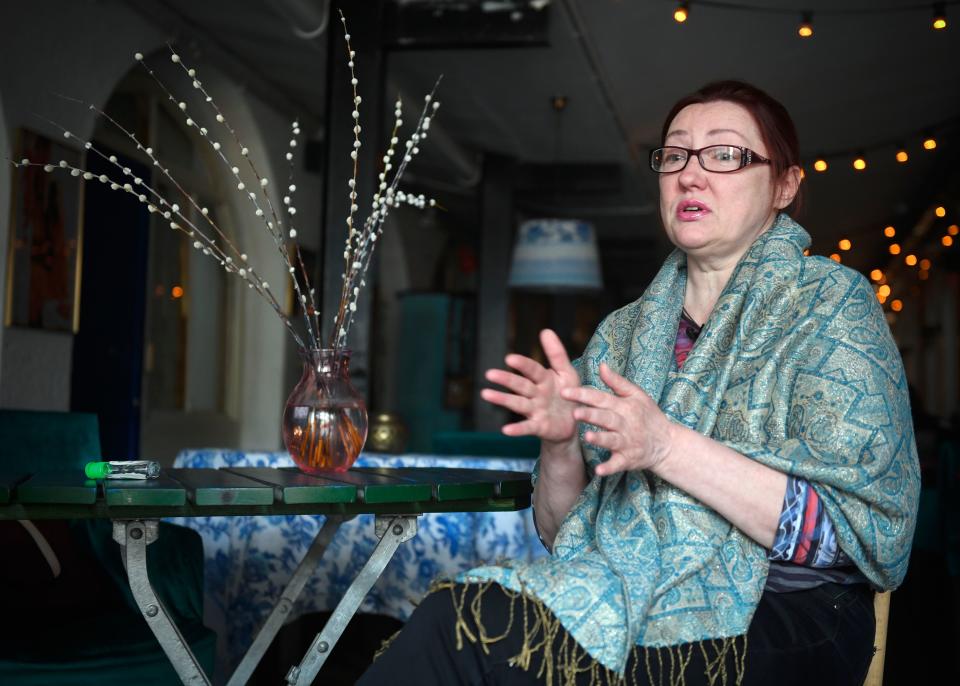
x=394, y=496
x=248, y=560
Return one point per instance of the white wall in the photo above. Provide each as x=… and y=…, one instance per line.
x=83, y=49
x=69, y=48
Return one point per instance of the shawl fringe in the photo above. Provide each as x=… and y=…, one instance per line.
x=560, y=664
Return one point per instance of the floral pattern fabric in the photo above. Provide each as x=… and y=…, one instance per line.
x=249, y=559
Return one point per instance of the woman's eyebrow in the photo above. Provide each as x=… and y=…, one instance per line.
x=712, y=132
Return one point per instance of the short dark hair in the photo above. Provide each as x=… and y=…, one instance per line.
x=777, y=129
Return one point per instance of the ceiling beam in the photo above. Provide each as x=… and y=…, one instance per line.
x=179, y=26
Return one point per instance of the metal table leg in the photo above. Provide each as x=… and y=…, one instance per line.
x=134, y=536
x=284, y=605
x=392, y=530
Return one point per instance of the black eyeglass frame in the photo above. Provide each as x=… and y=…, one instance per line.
x=747, y=157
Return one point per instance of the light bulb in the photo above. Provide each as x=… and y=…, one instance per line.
x=889, y=232
x=820, y=165
x=805, y=30
x=681, y=13
x=845, y=244
x=859, y=164
x=939, y=17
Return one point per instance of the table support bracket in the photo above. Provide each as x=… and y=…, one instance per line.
x=284, y=605
x=134, y=536
x=392, y=530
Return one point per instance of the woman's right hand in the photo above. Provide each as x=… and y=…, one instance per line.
x=535, y=393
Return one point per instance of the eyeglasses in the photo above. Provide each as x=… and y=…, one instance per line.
x=721, y=159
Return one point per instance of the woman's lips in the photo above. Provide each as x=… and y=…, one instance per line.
x=691, y=210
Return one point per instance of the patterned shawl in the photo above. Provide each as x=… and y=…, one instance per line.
x=795, y=368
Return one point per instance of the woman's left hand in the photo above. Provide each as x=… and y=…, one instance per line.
x=635, y=431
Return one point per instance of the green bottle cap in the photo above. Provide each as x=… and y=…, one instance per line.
x=96, y=470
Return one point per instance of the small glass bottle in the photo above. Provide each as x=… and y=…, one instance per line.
x=122, y=469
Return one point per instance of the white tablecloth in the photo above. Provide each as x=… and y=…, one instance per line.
x=248, y=560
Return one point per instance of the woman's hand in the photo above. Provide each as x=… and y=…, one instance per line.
x=535, y=393
x=637, y=433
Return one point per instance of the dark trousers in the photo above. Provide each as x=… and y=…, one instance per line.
x=819, y=636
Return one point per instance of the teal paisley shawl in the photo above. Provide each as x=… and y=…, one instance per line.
x=795, y=368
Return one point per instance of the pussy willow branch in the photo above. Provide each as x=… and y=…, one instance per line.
x=247, y=272
x=358, y=246
x=205, y=243
x=274, y=227
x=386, y=197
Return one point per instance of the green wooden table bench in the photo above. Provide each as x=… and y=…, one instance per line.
x=397, y=496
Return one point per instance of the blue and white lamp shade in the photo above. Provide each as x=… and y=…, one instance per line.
x=556, y=255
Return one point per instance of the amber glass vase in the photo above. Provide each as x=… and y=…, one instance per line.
x=325, y=419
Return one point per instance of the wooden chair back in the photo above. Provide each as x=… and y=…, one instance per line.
x=881, y=609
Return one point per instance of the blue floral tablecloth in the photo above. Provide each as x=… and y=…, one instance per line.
x=248, y=560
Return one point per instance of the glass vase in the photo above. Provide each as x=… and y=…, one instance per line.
x=325, y=419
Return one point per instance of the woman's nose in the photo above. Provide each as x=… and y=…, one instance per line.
x=692, y=175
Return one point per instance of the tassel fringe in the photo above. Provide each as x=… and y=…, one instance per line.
x=562, y=662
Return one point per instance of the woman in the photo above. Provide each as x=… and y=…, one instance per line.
x=726, y=474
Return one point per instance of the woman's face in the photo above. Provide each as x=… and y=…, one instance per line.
x=711, y=216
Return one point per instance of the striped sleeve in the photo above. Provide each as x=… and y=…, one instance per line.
x=805, y=534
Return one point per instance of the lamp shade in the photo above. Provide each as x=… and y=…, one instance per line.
x=555, y=255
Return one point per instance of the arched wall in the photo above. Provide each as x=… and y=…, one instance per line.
x=68, y=49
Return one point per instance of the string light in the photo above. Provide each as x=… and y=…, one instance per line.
x=895, y=145
x=911, y=260
x=889, y=232
x=876, y=275
x=881, y=298
x=805, y=28
x=953, y=229
x=941, y=211
x=845, y=244
x=925, y=264
x=947, y=241
x=896, y=305
x=835, y=257
x=939, y=17
x=859, y=163
x=884, y=290
x=894, y=248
